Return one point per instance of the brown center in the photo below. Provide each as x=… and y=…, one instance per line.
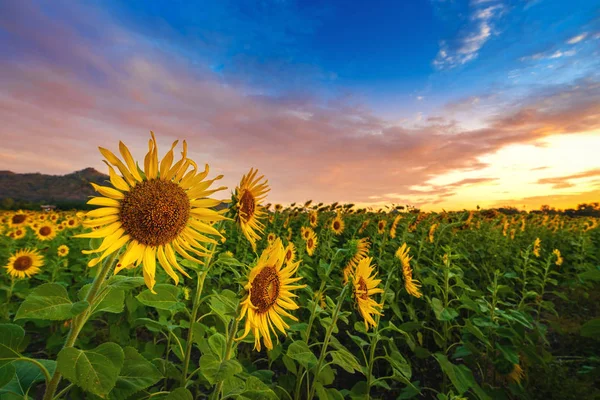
x=155, y=212
x=336, y=225
x=288, y=255
x=45, y=230
x=362, y=288
x=71, y=222
x=265, y=289
x=18, y=219
x=248, y=204
x=310, y=243
x=23, y=263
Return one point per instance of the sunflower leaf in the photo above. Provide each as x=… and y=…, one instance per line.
x=300, y=352
x=48, y=301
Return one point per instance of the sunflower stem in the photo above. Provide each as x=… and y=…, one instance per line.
x=334, y=317
x=79, y=321
x=201, y=277
x=228, y=349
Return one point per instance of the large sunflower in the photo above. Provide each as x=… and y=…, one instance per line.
x=25, y=262
x=365, y=286
x=337, y=225
x=269, y=295
x=156, y=213
x=247, y=209
x=45, y=231
x=18, y=219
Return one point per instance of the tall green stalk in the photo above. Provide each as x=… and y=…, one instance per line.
x=80, y=320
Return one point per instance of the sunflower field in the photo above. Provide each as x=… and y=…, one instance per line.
x=175, y=288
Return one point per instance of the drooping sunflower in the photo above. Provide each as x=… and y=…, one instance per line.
x=337, y=225
x=63, y=250
x=278, y=207
x=247, y=208
x=313, y=218
x=156, y=213
x=46, y=231
x=381, y=226
x=517, y=374
x=269, y=295
x=311, y=243
x=431, y=232
x=18, y=219
x=24, y=263
x=537, y=246
x=411, y=285
x=363, y=226
x=290, y=253
x=359, y=248
x=395, y=226
x=365, y=286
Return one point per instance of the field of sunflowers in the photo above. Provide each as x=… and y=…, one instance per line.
x=174, y=288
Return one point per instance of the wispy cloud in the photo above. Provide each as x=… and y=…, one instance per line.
x=466, y=46
x=577, y=39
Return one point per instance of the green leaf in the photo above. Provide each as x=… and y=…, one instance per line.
x=217, y=344
x=48, y=301
x=593, y=275
x=166, y=297
x=215, y=370
x=300, y=352
x=591, y=329
x=79, y=307
x=137, y=374
x=125, y=282
x=11, y=336
x=441, y=313
x=345, y=360
x=7, y=372
x=113, y=302
x=180, y=394
x=224, y=304
x=96, y=370
x=460, y=376
x=255, y=389
x=400, y=364
x=25, y=377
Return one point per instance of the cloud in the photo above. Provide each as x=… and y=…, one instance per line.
x=562, y=182
x=577, y=39
x=115, y=85
x=465, y=47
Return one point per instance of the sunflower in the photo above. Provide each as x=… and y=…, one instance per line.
x=559, y=259
x=247, y=209
x=278, y=207
x=359, y=248
x=431, y=232
x=72, y=222
x=290, y=253
x=306, y=232
x=337, y=225
x=537, y=246
x=17, y=233
x=269, y=295
x=364, y=225
x=155, y=213
x=395, y=226
x=311, y=242
x=290, y=233
x=63, y=250
x=271, y=237
x=411, y=285
x=313, y=218
x=18, y=219
x=53, y=217
x=365, y=286
x=46, y=231
x=517, y=374
x=25, y=262
x=381, y=226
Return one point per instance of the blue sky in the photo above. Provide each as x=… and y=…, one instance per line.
x=373, y=101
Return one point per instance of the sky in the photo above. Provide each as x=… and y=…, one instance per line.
x=438, y=104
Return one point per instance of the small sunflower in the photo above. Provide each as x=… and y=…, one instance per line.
x=559, y=259
x=395, y=226
x=271, y=237
x=313, y=218
x=311, y=243
x=155, y=213
x=431, y=232
x=63, y=250
x=269, y=295
x=363, y=226
x=278, y=207
x=306, y=232
x=517, y=374
x=537, y=246
x=411, y=285
x=381, y=226
x=359, y=248
x=72, y=222
x=337, y=225
x=365, y=286
x=24, y=263
x=289, y=235
x=290, y=253
x=46, y=231
x=17, y=233
x=247, y=209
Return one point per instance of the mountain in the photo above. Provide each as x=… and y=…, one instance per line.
x=51, y=189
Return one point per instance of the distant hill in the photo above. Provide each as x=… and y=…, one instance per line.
x=30, y=190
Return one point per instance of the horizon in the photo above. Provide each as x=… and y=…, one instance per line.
x=441, y=105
